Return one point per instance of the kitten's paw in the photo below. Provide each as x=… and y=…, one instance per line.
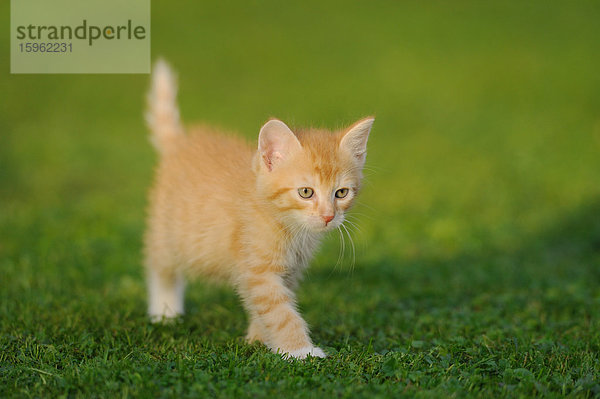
x=304, y=352
x=165, y=318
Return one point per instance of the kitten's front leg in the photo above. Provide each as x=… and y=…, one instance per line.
x=266, y=296
x=256, y=331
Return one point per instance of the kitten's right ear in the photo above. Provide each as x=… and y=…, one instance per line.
x=355, y=139
x=276, y=142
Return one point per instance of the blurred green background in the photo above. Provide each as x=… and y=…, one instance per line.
x=479, y=217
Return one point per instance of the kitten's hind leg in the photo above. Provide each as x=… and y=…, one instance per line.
x=165, y=294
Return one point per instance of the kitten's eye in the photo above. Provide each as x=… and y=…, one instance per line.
x=341, y=193
x=305, y=192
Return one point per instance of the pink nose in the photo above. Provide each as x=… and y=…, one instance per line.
x=327, y=219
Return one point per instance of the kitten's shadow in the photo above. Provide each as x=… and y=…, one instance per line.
x=543, y=259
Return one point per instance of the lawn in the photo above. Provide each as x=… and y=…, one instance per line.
x=477, y=263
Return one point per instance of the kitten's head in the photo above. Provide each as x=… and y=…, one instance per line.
x=311, y=177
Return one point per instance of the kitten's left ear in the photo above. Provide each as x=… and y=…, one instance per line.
x=276, y=142
x=355, y=139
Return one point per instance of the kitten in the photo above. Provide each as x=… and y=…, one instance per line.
x=252, y=217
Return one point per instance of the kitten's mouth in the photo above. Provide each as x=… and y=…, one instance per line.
x=324, y=227
x=321, y=228
x=318, y=225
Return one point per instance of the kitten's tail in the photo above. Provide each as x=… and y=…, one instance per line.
x=162, y=113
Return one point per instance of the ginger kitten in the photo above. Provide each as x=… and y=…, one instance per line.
x=252, y=217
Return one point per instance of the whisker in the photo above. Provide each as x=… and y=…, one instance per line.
x=366, y=206
x=340, y=253
x=355, y=221
x=355, y=215
x=342, y=249
x=355, y=227
x=357, y=232
x=353, y=248
x=376, y=168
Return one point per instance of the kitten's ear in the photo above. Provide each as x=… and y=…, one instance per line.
x=276, y=142
x=355, y=139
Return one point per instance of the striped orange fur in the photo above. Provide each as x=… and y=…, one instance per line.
x=220, y=208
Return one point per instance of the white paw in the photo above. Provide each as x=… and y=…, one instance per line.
x=164, y=317
x=304, y=352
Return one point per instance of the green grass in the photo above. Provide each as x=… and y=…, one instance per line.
x=478, y=257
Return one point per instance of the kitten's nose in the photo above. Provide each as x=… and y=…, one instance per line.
x=327, y=218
